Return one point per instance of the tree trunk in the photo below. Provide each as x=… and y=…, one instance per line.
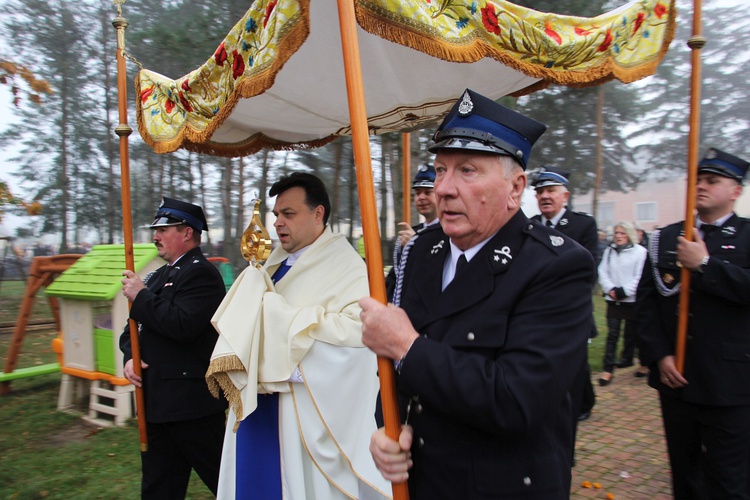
x=226, y=203
x=336, y=197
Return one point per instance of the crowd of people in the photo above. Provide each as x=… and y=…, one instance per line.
x=270, y=390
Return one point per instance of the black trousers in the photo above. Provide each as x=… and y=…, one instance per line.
x=174, y=448
x=613, y=336
x=709, y=449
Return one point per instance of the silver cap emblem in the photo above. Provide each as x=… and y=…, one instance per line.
x=465, y=107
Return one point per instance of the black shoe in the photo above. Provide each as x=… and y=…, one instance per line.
x=584, y=416
x=640, y=374
x=604, y=381
x=624, y=364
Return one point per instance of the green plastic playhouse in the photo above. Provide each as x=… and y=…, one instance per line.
x=93, y=313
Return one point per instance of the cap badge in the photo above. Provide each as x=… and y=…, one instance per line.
x=711, y=154
x=466, y=105
x=503, y=251
x=423, y=168
x=436, y=248
x=556, y=240
x=563, y=222
x=162, y=203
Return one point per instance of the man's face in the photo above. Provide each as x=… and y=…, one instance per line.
x=474, y=197
x=716, y=194
x=172, y=241
x=551, y=199
x=296, y=224
x=424, y=200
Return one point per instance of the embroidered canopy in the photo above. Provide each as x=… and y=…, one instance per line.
x=277, y=79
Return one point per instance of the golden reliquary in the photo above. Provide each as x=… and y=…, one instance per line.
x=256, y=242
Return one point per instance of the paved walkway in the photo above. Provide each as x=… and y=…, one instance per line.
x=621, y=447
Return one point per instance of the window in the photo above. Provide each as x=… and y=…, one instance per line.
x=606, y=216
x=646, y=212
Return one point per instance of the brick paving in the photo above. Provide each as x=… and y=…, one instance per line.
x=621, y=447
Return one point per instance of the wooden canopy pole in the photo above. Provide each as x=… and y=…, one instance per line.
x=406, y=178
x=368, y=209
x=123, y=130
x=696, y=43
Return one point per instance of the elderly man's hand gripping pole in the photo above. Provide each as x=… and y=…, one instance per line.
x=387, y=331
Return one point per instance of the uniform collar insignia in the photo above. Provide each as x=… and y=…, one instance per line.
x=503, y=255
x=438, y=247
x=563, y=222
x=556, y=240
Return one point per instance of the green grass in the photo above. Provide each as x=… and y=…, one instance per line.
x=11, y=296
x=47, y=454
x=598, y=344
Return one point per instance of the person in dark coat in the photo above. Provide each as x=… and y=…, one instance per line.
x=706, y=408
x=494, y=308
x=173, y=307
x=424, y=200
x=551, y=186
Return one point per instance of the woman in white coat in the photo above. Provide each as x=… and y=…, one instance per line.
x=619, y=272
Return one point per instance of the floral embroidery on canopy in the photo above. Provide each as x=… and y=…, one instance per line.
x=409, y=49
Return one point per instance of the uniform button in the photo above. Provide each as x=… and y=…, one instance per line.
x=470, y=336
x=527, y=481
x=184, y=374
x=531, y=226
x=421, y=442
x=418, y=409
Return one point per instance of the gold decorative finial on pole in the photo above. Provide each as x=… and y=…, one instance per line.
x=123, y=131
x=255, y=244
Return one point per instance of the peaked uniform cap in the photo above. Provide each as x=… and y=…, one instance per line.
x=480, y=124
x=173, y=212
x=718, y=162
x=550, y=176
x=425, y=177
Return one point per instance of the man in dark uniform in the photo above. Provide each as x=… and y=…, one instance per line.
x=551, y=186
x=495, y=310
x=424, y=199
x=173, y=308
x=706, y=409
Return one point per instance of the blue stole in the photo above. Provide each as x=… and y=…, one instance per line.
x=258, y=458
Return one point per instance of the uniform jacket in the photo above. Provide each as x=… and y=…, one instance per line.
x=177, y=338
x=489, y=377
x=717, y=350
x=579, y=227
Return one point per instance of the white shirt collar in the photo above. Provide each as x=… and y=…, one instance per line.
x=718, y=222
x=554, y=219
x=449, y=269
x=296, y=255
